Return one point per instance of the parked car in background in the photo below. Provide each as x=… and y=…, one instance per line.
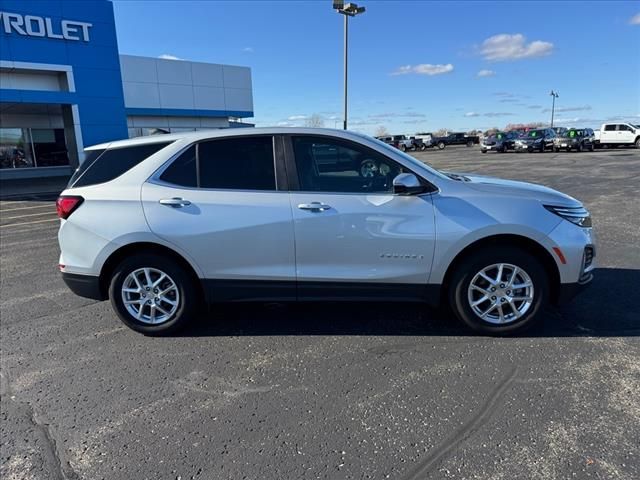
x=456, y=139
x=617, y=134
x=499, y=142
x=575, y=138
x=537, y=140
x=389, y=140
x=417, y=143
x=426, y=137
x=160, y=224
x=559, y=130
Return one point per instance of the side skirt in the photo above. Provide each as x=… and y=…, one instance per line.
x=289, y=291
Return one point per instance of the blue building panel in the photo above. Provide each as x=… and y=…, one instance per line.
x=93, y=58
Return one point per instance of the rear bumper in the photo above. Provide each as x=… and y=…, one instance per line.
x=568, y=291
x=83, y=285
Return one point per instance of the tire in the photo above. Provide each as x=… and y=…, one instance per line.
x=556, y=149
x=579, y=148
x=592, y=147
x=483, y=151
x=461, y=295
x=185, y=294
x=638, y=142
x=469, y=144
x=542, y=147
x=403, y=147
x=440, y=145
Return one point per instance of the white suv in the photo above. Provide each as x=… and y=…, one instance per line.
x=160, y=224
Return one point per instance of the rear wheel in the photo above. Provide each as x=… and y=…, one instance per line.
x=638, y=142
x=592, y=147
x=441, y=145
x=499, y=291
x=403, y=147
x=153, y=295
x=579, y=148
x=469, y=143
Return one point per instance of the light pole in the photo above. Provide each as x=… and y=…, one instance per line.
x=553, y=104
x=348, y=10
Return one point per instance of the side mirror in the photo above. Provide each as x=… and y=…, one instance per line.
x=407, y=184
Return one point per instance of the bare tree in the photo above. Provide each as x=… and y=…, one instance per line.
x=314, y=120
x=443, y=132
x=381, y=131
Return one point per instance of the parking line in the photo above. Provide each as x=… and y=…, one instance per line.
x=25, y=208
x=29, y=215
x=29, y=223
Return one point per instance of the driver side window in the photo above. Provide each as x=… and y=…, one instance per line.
x=329, y=165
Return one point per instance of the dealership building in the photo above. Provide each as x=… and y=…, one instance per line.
x=64, y=86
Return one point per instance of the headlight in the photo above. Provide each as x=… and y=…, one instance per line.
x=576, y=215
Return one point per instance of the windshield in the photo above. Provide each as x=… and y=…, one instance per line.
x=535, y=134
x=394, y=151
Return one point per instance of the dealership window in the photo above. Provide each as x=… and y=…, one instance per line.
x=33, y=147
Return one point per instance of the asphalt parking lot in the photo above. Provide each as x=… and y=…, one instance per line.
x=331, y=390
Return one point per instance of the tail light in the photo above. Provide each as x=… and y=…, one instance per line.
x=67, y=204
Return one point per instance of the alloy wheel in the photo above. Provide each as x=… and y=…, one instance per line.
x=150, y=295
x=500, y=293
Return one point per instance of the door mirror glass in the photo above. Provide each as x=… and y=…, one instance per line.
x=407, y=184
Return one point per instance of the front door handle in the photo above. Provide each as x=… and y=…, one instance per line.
x=175, y=202
x=314, y=206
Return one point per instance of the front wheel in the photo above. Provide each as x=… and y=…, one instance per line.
x=153, y=294
x=638, y=142
x=441, y=145
x=469, y=144
x=499, y=291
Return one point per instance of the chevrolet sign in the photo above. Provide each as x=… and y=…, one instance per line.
x=34, y=26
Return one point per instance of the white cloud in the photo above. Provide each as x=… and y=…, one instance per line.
x=498, y=114
x=569, y=109
x=424, y=69
x=505, y=47
x=635, y=20
x=248, y=49
x=485, y=73
x=471, y=114
x=166, y=56
x=285, y=124
x=293, y=118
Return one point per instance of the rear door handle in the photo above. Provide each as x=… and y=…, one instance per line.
x=314, y=206
x=175, y=202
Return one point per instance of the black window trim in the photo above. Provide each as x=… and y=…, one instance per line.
x=278, y=163
x=292, y=169
x=109, y=149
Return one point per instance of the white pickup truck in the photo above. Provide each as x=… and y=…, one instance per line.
x=614, y=134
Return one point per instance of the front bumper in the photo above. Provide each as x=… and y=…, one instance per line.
x=523, y=148
x=83, y=285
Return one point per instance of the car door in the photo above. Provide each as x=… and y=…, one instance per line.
x=220, y=203
x=609, y=133
x=353, y=236
x=625, y=134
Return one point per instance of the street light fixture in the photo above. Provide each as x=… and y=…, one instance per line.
x=553, y=104
x=348, y=10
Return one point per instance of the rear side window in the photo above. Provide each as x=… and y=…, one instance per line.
x=112, y=163
x=609, y=128
x=183, y=170
x=245, y=163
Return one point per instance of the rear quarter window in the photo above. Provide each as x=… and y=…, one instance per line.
x=112, y=163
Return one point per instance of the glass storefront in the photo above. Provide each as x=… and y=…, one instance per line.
x=33, y=147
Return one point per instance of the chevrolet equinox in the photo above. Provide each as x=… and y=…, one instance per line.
x=160, y=224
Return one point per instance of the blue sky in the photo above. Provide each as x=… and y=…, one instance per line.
x=414, y=65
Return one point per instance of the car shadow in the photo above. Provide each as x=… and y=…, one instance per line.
x=608, y=308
